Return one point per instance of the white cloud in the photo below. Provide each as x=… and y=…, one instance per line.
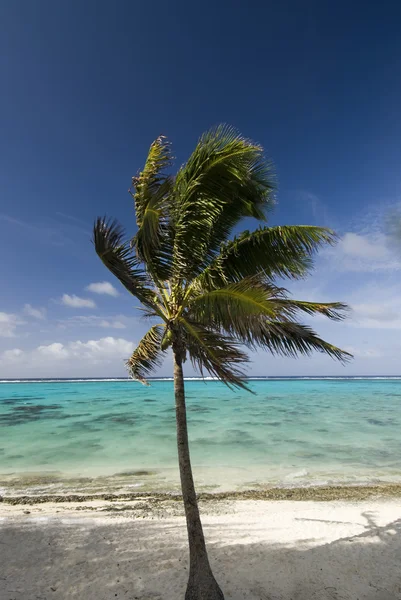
x=380, y=313
x=55, y=350
x=116, y=322
x=102, y=287
x=363, y=352
x=77, y=302
x=112, y=324
x=369, y=252
x=376, y=305
x=355, y=245
x=11, y=355
x=36, y=313
x=101, y=357
x=8, y=324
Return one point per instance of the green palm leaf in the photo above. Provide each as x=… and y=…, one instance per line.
x=226, y=178
x=151, y=192
x=151, y=179
x=229, y=308
x=215, y=353
x=116, y=255
x=148, y=355
x=290, y=339
x=283, y=251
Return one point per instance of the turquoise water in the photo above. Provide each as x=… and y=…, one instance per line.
x=96, y=435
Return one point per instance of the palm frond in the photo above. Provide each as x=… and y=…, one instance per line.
x=290, y=339
x=226, y=178
x=151, y=192
x=117, y=256
x=215, y=353
x=240, y=309
x=260, y=315
x=148, y=183
x=148, y=355
x=235, y=301
x=282, y=251
x=335, y=311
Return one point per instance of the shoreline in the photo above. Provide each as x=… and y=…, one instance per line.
x=313, y=493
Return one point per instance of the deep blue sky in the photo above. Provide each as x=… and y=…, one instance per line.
x=86, y=86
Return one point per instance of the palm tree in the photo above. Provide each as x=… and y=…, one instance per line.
x=212, y=294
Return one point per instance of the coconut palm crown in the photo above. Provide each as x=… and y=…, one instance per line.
x=213, y=293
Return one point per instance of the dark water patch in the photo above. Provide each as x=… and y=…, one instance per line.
x=322, y=430
x=79, y=415
x=35, y=408
x=13, y=402
x=274, y=424
x=298, y=442
x=170, y=409
x=378, y=422
x=139, y=473
x=118, y=419
x=18, y=399
x=26, y=414
x=80, y=426
x=312, y=455
x=207, y=442
x=381, y=454
x=149, y=400
x=238, y=436
x=200, y=409
x=14, y=456
x=93, y=445
x=299, y=412
x=170, y=436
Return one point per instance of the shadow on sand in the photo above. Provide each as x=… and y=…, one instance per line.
x=135, y=559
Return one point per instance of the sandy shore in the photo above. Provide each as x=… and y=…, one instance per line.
x=259, y=549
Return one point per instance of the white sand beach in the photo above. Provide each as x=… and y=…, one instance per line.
x=260, y=550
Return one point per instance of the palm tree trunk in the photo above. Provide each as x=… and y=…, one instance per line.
x=201, y=582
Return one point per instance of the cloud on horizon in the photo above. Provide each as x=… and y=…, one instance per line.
x=68, y=359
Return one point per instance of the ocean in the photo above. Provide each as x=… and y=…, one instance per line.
x=89, y=436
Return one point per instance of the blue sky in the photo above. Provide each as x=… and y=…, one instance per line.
x=87, y=86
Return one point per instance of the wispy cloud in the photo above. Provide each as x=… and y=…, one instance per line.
x=50, y=231
x=363, y=253
x=317, y=207
x=74, y=301
x=117, y=322
x=112, y=324
x=363, y=352
x=102, y=287
x=8, y=324
x=36, y=313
